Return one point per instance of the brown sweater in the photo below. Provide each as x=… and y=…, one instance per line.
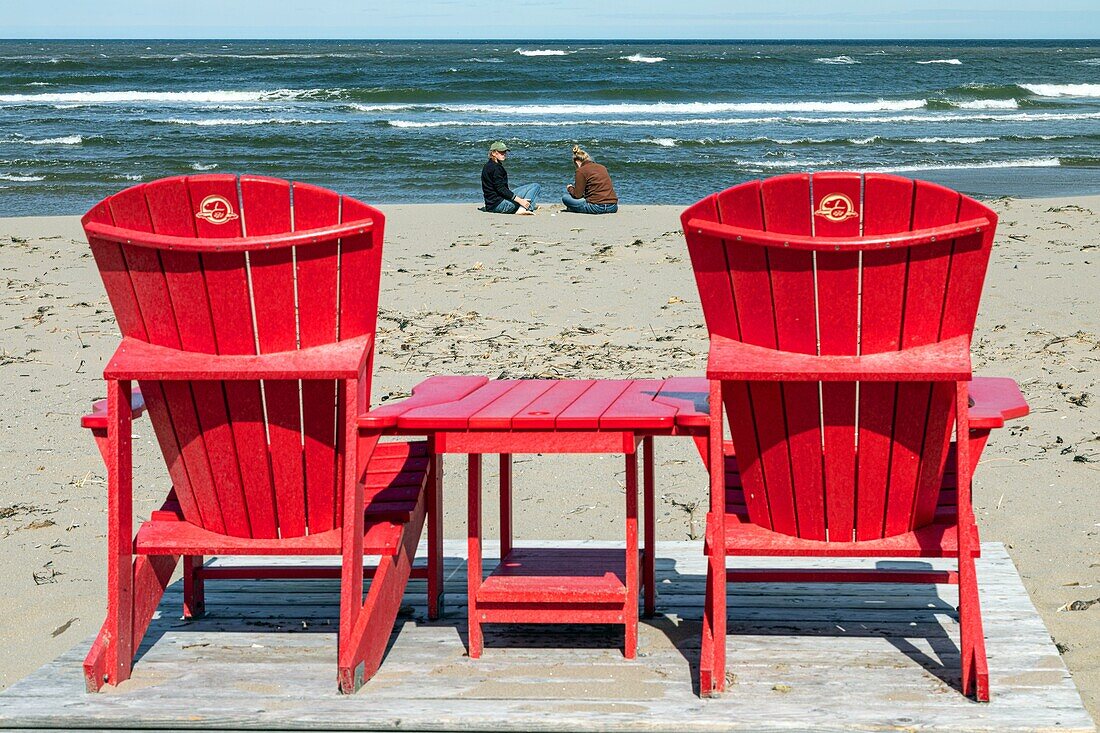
x=593, y=184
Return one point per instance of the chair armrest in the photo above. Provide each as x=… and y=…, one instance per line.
x=947, y=361
x=432, y=391
x=135, y=359
x=97, y=418
x=994, y=400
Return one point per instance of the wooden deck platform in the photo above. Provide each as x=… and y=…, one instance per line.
x=822, y=658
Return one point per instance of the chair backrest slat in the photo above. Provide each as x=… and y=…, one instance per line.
x=169, y=203
x=838, y=319
x=840, y=461
x=746, y=270
x=318, y=280
x=265, y=208
x=246, y=459
x=797, y=437
x=887, y=208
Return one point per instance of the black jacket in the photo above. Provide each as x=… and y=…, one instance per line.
x=494, y=184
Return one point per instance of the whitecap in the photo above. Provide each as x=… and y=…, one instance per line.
x=64, y=140
x=207, y=97
x=687, y=122
x=841, y=60
x=788, y=163
x=664, y=142
x=1024, y=163
x=203, y=166
x=673, y=108
x=861, y=140
x=542, y=52
x=952, y=140
x=951, y=62
x=640, y=59
x=1090, y=62
x=987, y=104
x=1063, y=90
x=20, y=179
x=234, y=121
x=484, y=61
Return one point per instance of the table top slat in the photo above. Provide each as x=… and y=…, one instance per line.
x=454, y=415
x=585, y=412
x=542, y=413
x=499, y=413
x=689, y=395
x=635, y=409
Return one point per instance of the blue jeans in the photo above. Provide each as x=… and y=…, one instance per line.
x=530, y=192
x=580, y=206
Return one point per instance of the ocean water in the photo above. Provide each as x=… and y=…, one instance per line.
x=411, y=121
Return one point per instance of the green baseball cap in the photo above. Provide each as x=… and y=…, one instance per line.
x=498, y=147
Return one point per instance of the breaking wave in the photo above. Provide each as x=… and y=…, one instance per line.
x=542, y=52
x=210, y=97
x=233, y=121
x=1063, y=90
x=1025, y=163
x=63, y=140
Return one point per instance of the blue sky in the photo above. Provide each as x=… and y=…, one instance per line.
x=547, y=19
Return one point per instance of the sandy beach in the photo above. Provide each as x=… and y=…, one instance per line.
x=552, y=295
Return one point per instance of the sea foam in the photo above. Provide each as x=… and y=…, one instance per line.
x=208, y=97
x=674, y=108
x=233, y=121
x=20, y=179
x=640, y=59
x=951, y=62
x=1024, y=163
x=542, y=52
x=987, y=104
x=63, y=140
x=840, y=60
x=1063, y=90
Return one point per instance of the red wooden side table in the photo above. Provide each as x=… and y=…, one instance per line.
x=563, y=585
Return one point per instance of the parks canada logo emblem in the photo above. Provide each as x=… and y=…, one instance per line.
x=836, y=207
x=216, y=210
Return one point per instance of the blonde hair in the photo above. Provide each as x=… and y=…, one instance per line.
x=580, y=155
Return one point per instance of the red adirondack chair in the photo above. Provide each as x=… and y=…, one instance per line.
x=247, y=309
x=840, y=308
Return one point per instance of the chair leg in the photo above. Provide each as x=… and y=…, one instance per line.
x=975, y=668
x=131, y=603
x=706, y=649
x=194, y=596
x=362, y=650
x=435, y=535
x=716, y=592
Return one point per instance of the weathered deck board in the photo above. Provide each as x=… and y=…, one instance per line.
x=805, y=657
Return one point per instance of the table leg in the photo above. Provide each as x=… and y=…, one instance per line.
x=630, y=615
x=473, y=562
x=505, y=504
x=435, y=532
x=649, y=559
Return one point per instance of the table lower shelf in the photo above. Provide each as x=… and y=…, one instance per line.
x=556, y=577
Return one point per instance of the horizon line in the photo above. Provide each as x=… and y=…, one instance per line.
x=550, y=40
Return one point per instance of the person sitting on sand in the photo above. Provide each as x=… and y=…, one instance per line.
x=494, y=186
x=591, y=192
